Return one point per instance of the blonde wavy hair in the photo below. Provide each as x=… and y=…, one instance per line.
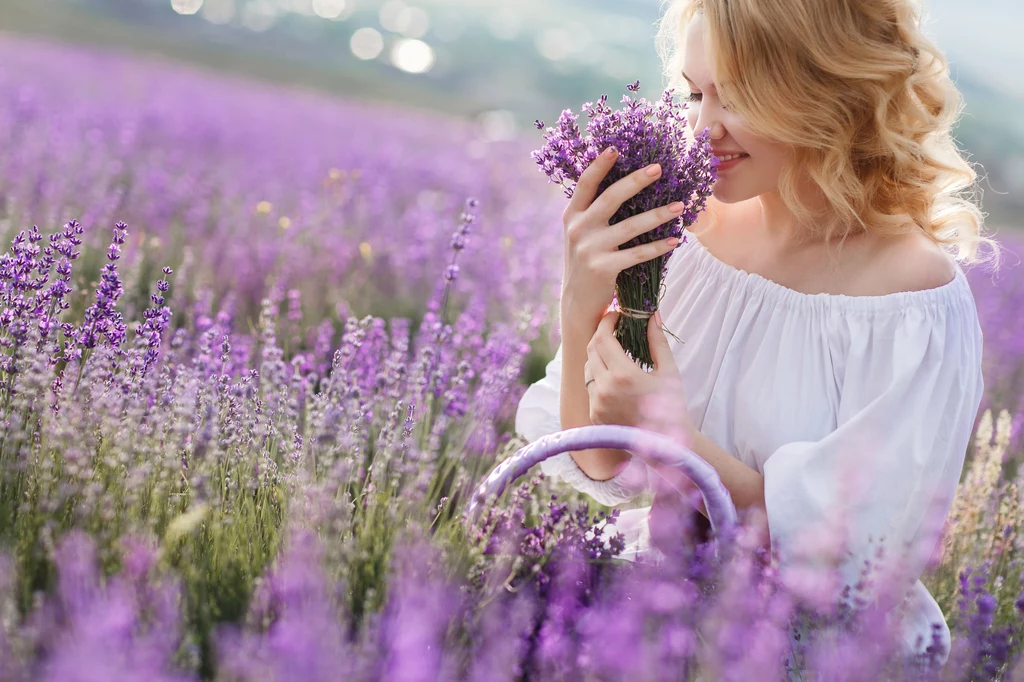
x=863, y=97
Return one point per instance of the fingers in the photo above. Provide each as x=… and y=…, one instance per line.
x=608, y=320
x=607, y=347
x=627, y=258
x=594, y=367
x=660, y=351
x=598, y=367
x=605, y=206
x=634, y=226
x=590, y=180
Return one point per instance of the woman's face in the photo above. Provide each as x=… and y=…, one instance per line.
x=758, y=170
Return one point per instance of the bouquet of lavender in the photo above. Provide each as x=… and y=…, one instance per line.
x=644, y=133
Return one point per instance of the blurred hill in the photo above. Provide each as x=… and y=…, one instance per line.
x=504, y=63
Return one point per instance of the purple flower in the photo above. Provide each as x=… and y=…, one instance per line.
x=643, y=133
x=102, y=317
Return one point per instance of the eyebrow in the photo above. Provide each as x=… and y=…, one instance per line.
x=683, y=73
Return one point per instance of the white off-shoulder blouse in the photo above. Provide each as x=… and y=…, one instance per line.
x=830, y=397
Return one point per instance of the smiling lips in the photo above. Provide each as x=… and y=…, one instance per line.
x=729, y=160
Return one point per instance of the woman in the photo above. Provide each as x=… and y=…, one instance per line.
x=830, y=364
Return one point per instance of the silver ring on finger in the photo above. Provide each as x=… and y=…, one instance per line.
x=586, y=385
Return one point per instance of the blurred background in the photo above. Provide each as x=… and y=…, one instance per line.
x=503, y=64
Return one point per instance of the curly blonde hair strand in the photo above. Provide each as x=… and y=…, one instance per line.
x=864, y=98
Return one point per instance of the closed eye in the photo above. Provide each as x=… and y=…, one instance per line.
x=697, y=97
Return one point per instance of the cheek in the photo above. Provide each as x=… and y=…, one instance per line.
x=770, y=160
x=691, y=119
x=768, y=152
x=763, y=153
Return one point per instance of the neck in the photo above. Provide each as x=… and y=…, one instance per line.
x=780, y=226
x=778, y=223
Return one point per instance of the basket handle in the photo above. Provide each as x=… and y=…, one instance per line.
x=653, y=448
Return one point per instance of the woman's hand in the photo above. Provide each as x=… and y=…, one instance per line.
x=593, y=259
x=624, y=394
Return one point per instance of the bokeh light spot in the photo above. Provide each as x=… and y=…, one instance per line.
x=554, y=44
x=259, y=16
x=414, y=56
x=413, y=22
x=186, y=6
x=329, y=9
x=219, y=11
x=366, y=43
x=389, y=13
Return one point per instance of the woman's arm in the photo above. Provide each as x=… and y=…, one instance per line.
x=745, y=485
x=600, y=464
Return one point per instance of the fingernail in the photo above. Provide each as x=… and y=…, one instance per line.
x=657, y=317
x=653, y=170
x=676, y=207
x=611, y=151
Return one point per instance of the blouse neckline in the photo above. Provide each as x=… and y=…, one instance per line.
x=782, y=295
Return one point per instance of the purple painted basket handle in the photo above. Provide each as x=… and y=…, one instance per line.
x=653, y=448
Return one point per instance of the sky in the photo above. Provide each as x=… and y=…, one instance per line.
x=980, y=37
x=984, y=36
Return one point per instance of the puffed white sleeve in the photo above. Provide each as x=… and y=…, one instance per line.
x=539, y=414
x=912, y=386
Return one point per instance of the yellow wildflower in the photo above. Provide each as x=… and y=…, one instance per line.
x=184, y=523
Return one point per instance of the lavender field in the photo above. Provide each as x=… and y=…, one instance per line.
x=258, y=347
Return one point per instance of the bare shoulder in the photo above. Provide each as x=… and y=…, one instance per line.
x=911, y=262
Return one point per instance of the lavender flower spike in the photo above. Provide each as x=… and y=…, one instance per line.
x=644, y=133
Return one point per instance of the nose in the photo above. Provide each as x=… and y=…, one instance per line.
x=709, y=117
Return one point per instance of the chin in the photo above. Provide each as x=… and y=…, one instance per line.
x=728, y=196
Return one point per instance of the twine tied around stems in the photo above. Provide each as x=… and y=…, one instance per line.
x=637, y=314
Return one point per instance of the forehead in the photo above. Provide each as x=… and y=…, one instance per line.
x=697, y=62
